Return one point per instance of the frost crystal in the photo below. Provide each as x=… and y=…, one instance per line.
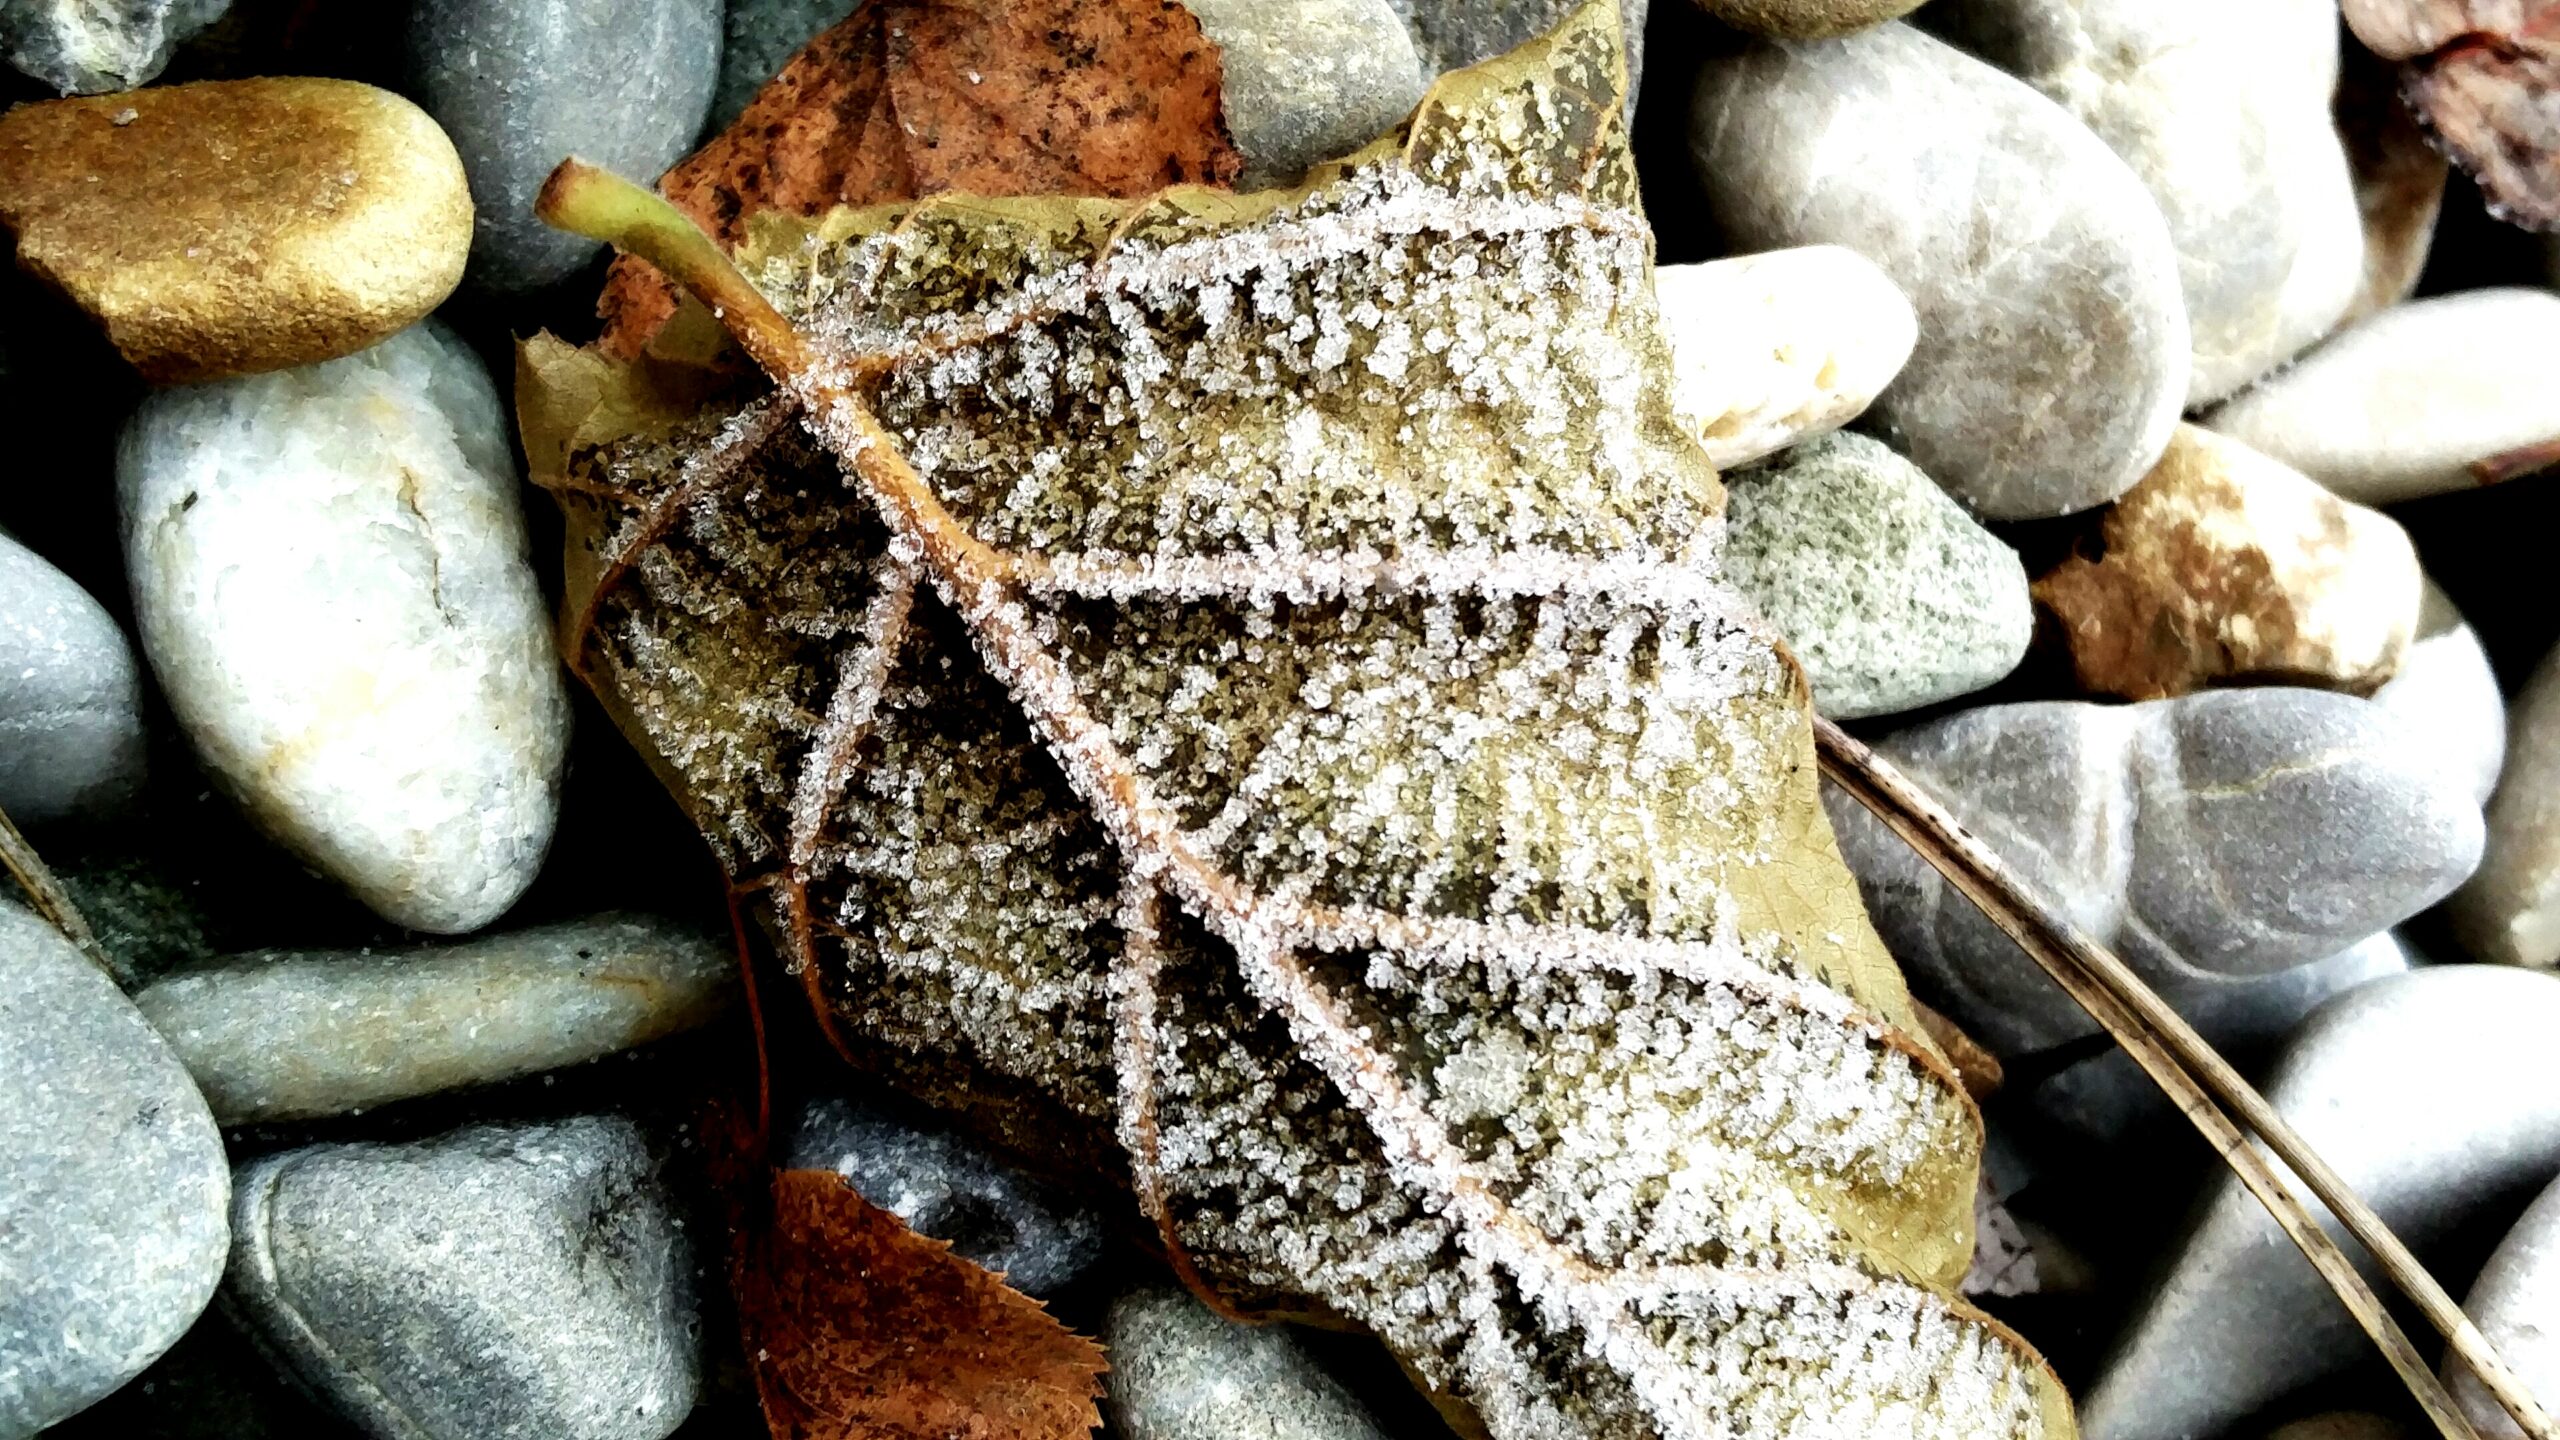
x=1348, y=805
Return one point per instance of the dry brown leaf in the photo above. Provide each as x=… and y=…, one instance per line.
x=2484, y=76
x=1980, y=1070
x=859, y=1328
x=908, y=98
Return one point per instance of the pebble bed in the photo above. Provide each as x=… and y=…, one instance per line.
x=2097, y=403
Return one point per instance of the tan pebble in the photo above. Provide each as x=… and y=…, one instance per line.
x=236, y=226
x=2223, y=564
x=1806, y=19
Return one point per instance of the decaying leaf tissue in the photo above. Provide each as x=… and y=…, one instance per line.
x=1403, y=864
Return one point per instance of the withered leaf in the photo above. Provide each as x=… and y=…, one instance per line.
x=907, y=98
x=2484, y=76
x=1258, y=715
x=859, y=1328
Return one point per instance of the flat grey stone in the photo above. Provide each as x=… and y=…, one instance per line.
x=762, y=36
x=1181, y=1372
x=2227, y=833
x=1308, y=81
x=988, y=1212
x=2401, y=403
x=284, y=1035
x=521, y=85
x=71, y=742
x=2510, y=912
x=2106, y=1097
x=2515, y=1300
x=1453, y=34
x=2052, y=359
x=1887, y=592
x=2224, y=112
x=89, y=47
x=2436, y=1096
x=501, y=1282
x=2447, y=697
x=332, y=584
x=113, y=1190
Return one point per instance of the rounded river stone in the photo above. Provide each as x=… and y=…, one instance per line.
x=2052, y=358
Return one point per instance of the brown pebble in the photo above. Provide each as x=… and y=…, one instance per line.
x=2223, y=564
x=235, y=226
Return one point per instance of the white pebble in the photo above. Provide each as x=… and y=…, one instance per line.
x=330, y=581
x=1769, y=349
x=2400, y=405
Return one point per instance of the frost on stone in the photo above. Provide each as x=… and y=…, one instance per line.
x=1342, y=799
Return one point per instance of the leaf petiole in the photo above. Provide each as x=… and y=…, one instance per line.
x=590, y=200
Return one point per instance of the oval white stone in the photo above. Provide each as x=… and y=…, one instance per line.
x=2399, y=405
x=330, y=580
x=1769, y=349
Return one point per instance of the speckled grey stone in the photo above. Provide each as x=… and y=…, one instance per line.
x=502, y=1282
x=89, y=47
x=1181, y=1372
x=2223, y=110
x=2106, y=1097
x=282, y=1035
x=112, y=1189
x=1309, y=80
x=2053, y=341
x=2436, y=1096
x=1453, y=34
x=2227, y=833
x=71, y=742
x=943, y=1186
x=2515, y=1300
x=1886, y=591
x=762, y=36
x=138, y=908
x=521, y=85
x=2447, y=696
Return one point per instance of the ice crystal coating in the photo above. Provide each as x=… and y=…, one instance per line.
x=1353, y=809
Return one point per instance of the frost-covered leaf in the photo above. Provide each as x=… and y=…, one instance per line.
x=907, y=98
x=1317, y=774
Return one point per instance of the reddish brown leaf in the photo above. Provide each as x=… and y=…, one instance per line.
x=2403, y=29
x=861, y=1329
x=908, y=98
x=2484, y=76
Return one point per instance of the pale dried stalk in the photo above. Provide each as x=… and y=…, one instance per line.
x=51, y=901
x=2517, y=463
x=2185, y=1067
